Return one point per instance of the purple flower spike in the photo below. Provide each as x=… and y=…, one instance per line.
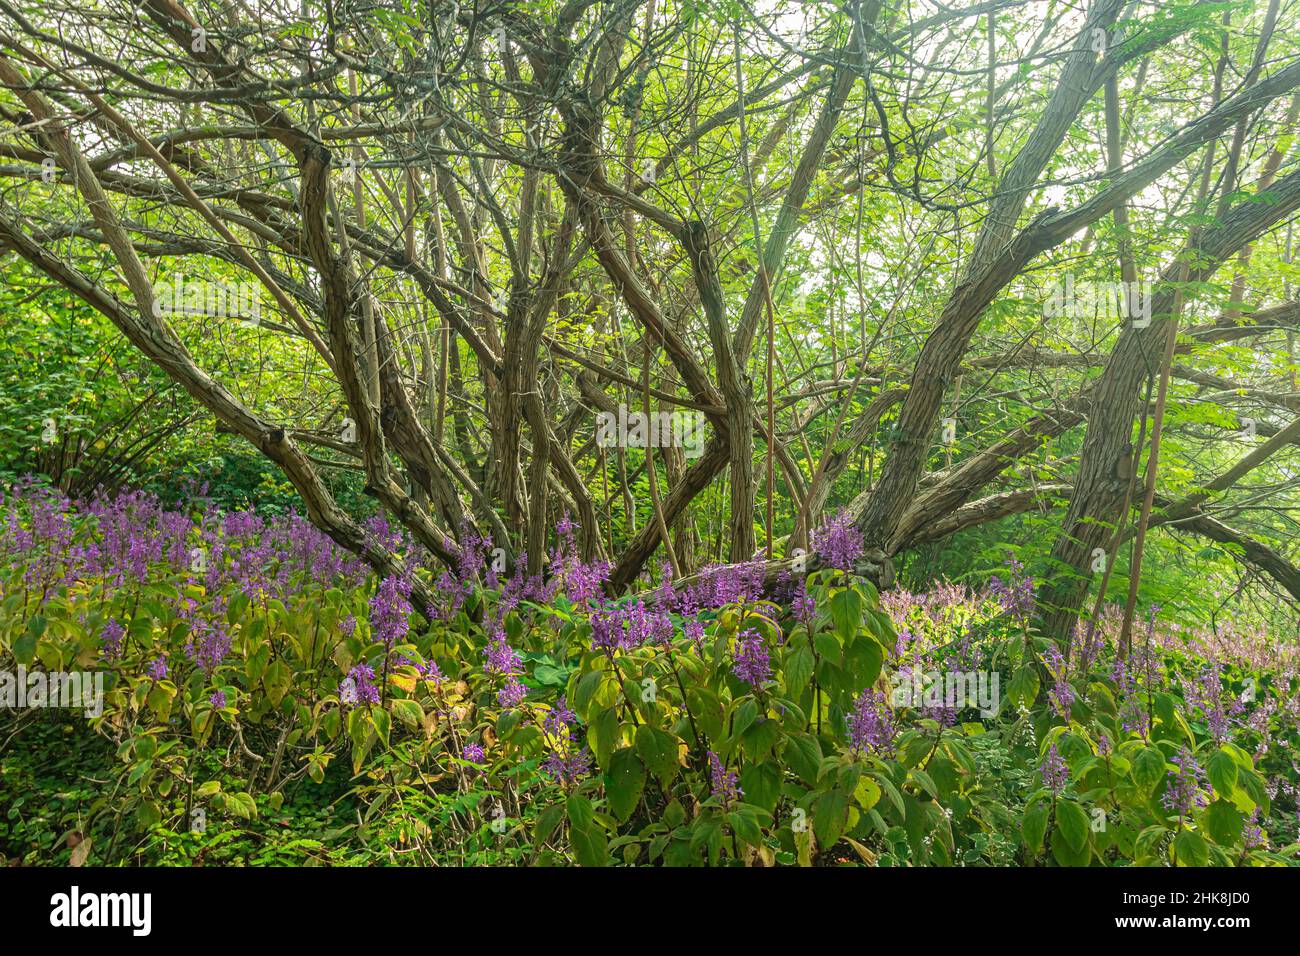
x=752, y=664
x=1054, y=771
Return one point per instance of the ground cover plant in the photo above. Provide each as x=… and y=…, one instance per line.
x=260, y=680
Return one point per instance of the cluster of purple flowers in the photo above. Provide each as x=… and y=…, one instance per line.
x=1260, y=722
x=630, y=625
x=500, y=658
x=871, y=725
x=264, y=560
x=608, y=631
x=568, y=759
x=1016, y=593
x=384, y=534
x=1252, y=834
x=474, y=565
x=559, y=719
x=1184, y=787
x=503, y=660
x=521, y=586
x=37, y=517
x=111, y=639
x=944, y=714
x=928, y=617
x=208, y=641
x=802, y=606
x=752, y=664
x=724, y=783
x=719, y=585
x=124, y=541
x=134, y=533
x=1090, y=640
x=158, y=669
x=121, y=542
x=583, y=582
x=116, y=540
x=1133, y=714
x=1205, y=693
x=1061, y=693
x=390, y=610
x=359, y=687
x=1054, y=771
x=512, y=694
x=838, y=543
x=694, y=630
x=791, y=590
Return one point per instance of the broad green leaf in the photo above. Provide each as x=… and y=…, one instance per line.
x=846, y=613
x=1033, y=827
x=624, y=782
x=659, y=750
x=1190, y=849
x=830, y=812
x=1073, y=821
x=1222, y=772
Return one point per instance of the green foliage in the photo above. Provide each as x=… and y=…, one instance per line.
x=672, y=758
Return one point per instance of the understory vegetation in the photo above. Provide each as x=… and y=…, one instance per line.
x=267, y=700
